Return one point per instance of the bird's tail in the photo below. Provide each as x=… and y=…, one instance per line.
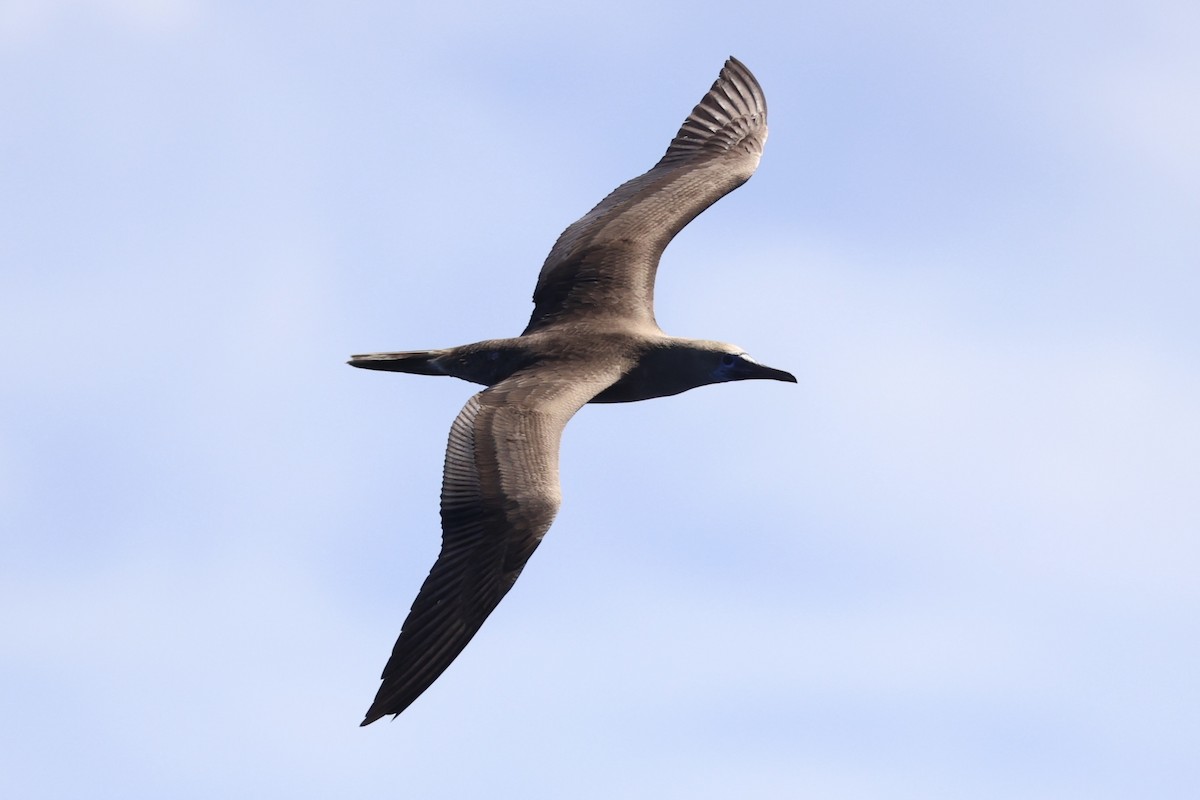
x=417, y=362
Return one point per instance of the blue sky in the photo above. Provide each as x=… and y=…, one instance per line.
x=957, y=560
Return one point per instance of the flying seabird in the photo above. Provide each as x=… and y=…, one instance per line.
x=592, y=339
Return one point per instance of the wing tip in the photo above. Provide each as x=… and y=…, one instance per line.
x=736, y=72
x=732, y=113
x=374, y=714
x=734, y=64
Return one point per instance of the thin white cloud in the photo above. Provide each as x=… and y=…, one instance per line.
x=1148, y=107
x=29, y=23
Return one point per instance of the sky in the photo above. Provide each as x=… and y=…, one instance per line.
x=958, y=559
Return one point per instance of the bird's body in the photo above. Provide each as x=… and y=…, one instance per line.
x=592, y=339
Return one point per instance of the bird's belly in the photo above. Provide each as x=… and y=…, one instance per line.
x=630, y=389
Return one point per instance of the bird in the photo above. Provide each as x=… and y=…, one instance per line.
x=592, y=338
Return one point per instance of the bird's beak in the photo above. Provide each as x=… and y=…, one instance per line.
x=776, y=375
x=751, y=370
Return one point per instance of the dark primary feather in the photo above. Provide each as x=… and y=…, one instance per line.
x=605, y=263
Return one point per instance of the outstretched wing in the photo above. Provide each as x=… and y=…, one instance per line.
x=500, y=493
x=604, y=264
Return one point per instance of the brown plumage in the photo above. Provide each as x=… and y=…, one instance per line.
x=592, y=339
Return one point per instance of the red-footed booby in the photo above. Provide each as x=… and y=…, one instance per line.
x=592, y=339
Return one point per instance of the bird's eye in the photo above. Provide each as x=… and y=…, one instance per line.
x=728, y=360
